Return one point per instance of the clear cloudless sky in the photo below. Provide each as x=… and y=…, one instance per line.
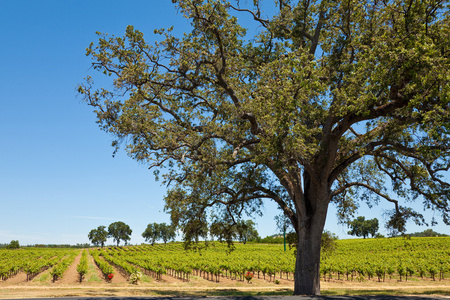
x=58, y=179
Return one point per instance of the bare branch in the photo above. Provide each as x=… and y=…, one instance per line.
x=256, y=16
x=344, y=187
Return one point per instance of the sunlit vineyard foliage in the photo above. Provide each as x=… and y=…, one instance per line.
x=34, y=261
x=357, y=259
x=83, y=266
x=58, y=270
x=381, y=259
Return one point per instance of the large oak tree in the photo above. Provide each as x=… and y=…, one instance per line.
x=320, y=102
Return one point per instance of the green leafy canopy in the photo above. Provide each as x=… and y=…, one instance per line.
x=98, y=236
x=119, y=231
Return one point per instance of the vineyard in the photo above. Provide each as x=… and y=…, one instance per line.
x=372, y=260
x=35, y=261
x=379, y=259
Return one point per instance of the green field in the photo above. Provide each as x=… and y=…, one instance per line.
x=356, y=259
x=398, y=258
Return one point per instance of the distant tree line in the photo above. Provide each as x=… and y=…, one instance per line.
x=14, y=244
x=362, y=227
x=242, y=231
x=155, y=232
x=427, y=233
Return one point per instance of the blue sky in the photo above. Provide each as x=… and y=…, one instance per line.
x=58, y=179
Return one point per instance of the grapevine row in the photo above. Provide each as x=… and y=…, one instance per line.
x=104, y=266
x=60, y=268
x=82, y=267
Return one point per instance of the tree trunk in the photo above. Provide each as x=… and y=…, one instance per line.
x=307, y=265
x=309, y=232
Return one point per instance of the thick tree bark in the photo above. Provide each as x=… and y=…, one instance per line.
x=307, y=266
x=309, y=231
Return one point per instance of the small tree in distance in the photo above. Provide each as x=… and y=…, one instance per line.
x=155, y=231
x=223, y=231
x=98, y=236
x=119, y=231
x=246, y=231
x=13, y=245
x=167, y=233
x=151, y=233
x=362, y=227
x=328, y=243
x=242, y=231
